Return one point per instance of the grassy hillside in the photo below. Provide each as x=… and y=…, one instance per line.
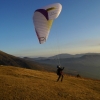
x=25, y=84
x=10, y=60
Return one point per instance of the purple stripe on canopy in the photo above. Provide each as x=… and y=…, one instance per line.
x=44, y=12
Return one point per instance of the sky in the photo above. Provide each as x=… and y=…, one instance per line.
x=75, y=31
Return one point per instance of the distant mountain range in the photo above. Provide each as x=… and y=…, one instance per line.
x=87, y=65
x=61, y=56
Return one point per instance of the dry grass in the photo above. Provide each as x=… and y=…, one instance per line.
x=24, y=84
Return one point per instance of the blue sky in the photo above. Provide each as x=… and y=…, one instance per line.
x=76, y=30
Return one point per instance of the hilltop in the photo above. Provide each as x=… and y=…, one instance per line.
x=25, y=84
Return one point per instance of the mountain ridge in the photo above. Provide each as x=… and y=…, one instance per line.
x=10, y=60
x=61, y=56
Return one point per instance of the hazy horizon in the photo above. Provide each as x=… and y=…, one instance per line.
x=59, y=54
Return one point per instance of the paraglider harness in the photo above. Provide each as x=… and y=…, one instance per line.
x=59, y=70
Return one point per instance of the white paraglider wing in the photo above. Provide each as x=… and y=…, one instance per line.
x=43, y=19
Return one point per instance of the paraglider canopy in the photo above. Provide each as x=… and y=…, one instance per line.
x=43, y=19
